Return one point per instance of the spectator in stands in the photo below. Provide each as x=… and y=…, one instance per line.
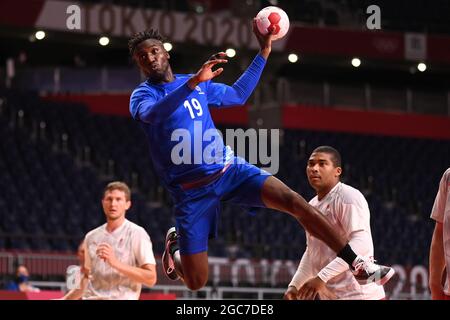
x=118, y=256
x=439, y=280
x=172, y=107
x=320, y=272
x=21, y=281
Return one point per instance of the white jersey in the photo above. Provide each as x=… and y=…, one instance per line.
x=132, y=246
x=441, y=213
x=347, y=210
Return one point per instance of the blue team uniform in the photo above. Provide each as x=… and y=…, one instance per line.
x=171, y=113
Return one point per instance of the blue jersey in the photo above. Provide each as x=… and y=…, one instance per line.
x=194, y=117
x=177, y=121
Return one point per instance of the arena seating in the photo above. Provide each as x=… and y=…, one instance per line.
x=55, y=159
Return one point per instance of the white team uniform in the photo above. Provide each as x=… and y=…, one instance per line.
x=132, y=246
x=347, y=210
x=441, y=213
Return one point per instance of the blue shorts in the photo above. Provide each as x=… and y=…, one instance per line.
x=197, y=210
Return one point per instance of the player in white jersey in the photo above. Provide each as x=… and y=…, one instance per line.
x=320, y=272
x=118, y=255
x=440, y=244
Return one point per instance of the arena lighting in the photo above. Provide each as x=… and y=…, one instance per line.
x=39, y=35
x=199, y=8
x=104, y=41
x=230, y=52
x=422, y=67
x=356, y=62
x=293, y=58
x=168, y=46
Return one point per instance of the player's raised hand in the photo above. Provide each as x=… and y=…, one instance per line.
x=265, y=41
x=206, y=72
x=291, y=293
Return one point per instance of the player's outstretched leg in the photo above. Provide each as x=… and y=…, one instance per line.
x=192, y=269
x=276, y=195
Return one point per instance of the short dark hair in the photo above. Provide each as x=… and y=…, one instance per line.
x=142, y=36
x=118, y=185
x=335, y=155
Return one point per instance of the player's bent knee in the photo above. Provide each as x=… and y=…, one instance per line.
x=195, y=270
x=196, y=282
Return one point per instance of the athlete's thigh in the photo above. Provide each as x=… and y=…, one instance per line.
x=244, y=185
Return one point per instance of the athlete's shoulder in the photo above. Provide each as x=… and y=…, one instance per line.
x=446, y=175
x=350, y=195
x=314, y=201
x=91, y=234
x=144, y=87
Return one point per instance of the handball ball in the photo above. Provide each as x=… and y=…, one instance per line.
x=273, y=19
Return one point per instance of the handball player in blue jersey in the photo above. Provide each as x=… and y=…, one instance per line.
x=169, y=105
